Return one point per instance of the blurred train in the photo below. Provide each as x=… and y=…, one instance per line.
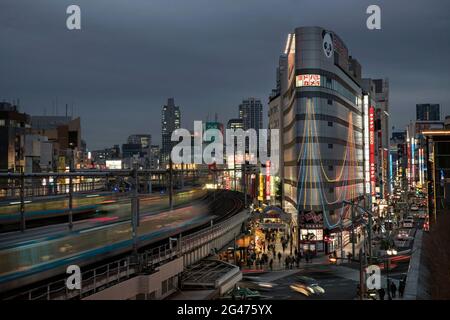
x=46, y=210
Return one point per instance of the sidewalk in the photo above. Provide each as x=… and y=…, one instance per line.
x=279, y=264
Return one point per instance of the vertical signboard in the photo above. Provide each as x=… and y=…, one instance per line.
x=261, y=188
x=413, y=161
x=385, y=172
x=268, y=180
x=372, y=148
x=366, y=146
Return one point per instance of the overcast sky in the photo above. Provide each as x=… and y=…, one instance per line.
x=131, y=55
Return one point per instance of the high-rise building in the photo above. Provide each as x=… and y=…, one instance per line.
x=154, y=157
x=170, y=121
x=320, y=102
x=235, y=124
x=250, y=111
x=145, y=140
x=428, y=112
x=13, y=126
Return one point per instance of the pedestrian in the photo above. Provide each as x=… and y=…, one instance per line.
x=393, y=289
x=271, y=264
x=381, y=293
x=279, y=257
x=307, y=256
x=401, y=288
x=286, y=262
x=349, y=257
x=297, y=262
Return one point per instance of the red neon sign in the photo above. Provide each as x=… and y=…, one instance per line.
x=372, y=148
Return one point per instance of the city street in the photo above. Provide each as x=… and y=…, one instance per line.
x=338, y=284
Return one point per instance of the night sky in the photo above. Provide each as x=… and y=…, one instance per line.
x=131, y=55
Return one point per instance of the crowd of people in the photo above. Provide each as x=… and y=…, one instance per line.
x=269, y=253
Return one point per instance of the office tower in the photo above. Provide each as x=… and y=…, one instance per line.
x=145, y=140
x=250, y=111
x=235, y=124
x=170, y=121
x=428, y=112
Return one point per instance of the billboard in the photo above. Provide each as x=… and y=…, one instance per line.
x=307, y=80
x=113, y=164
x=261, y=188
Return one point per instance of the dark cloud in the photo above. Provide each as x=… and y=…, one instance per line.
x=208, y=54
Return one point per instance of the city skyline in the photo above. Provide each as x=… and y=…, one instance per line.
x=224, y=150
x=137, y=70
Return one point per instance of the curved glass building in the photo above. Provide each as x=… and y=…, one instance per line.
x=322, y=123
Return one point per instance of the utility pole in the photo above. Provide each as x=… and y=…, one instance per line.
x=341, y=236
x=353, y=229
x=70, y=202
x=369, y=236
x=182, y=176
x=361, y=275
x=170, y=184
x=22, y=202
x=135, y=210
x=245, y=184
x=234, y=168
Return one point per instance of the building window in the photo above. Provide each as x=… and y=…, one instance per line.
x=330, y=146
x=330, y=123
x=330, y=102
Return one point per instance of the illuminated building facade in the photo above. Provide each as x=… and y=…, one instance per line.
x=322, y=121
x=416, y=153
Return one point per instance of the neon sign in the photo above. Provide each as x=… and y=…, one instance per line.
x=307, y=80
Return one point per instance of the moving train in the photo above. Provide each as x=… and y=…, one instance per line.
x=84, y=205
